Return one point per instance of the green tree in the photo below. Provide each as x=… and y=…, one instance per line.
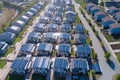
x=102, y=3
x=107, y=55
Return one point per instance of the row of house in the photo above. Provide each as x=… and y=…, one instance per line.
x=41, y=27
x=60, y=66
x=46, y=49
x=16, y=27
x=42, y=65
x=106, y=21
x=57, y=14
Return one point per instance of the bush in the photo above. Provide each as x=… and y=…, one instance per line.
x=107, y=55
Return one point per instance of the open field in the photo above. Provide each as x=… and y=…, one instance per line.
x=6, y=16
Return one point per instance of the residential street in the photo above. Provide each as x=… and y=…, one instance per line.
x=107, y=71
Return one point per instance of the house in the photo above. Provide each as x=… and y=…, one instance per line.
x=82, y=51
x=19, y=23
x=27, y=49
x=52, y=27
x=44, y=19
x=41, y=65
x=30, y=13
x=41, y=4
x=69, y=8
x=60, y=66
x=37, y=7
x=24, y=18
x=67, y=20
x=79, y=66
x=52, y=8
x=59, y=14
x=63, y=50
x=34, y=37
x=65, y=28
x=56, y=20
x=71, y=15
x=117, y=16
x=3, y=47
x=50, y=37
x=59, y=9
x=114, y=29
x=113, y=10
x=80, y=38
x=107, y=21
x=7, y=37
x=79, y=29
x=99, y=15
x=21, y=66
x=92, y=1
x=40, y=27
x=95, y=9
x=90, y=5
x=33, y=10
x=49, y=14
x=14, y=29
x=64, y=38
x=111, y=3
x=44, y=49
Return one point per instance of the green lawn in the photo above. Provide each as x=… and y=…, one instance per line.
x=18, y=39
x=2, y=63
x=10, y=50
x=116, y=77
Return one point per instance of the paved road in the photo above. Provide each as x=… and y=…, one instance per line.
x=107, y=71
x=4, y=72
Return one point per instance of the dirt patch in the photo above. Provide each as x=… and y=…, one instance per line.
x=115, y=46
x=7, y=15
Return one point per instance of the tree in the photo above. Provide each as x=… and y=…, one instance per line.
x=102, y=3
x=107, y=55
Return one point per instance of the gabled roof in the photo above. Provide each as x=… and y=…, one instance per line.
x=34, y=35
x=27, y=47
x=20, y=63
x=60, y=63
x=80, y=36
x=99, y=12
x=40, y=25
x=115, y=25
x=3, y=45
x=44, y=47
x=65, y=36
x=41, y=63
x=107, y=18
x=79, y=64
x=52, y=26
x=90, y=4
x=113, y=8
x=7, y=35
x=64, y=47
x=94, y=8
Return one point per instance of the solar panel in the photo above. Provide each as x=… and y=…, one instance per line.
x=96, y=67
x=79, y=64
